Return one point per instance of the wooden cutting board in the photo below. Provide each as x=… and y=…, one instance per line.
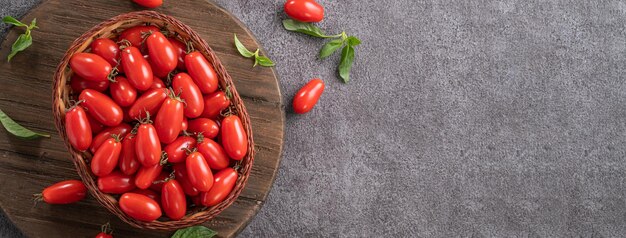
x=26, y=167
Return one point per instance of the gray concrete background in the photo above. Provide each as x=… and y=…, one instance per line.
x=463, y=119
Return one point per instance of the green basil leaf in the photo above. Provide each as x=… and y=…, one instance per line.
x=11, y=20
x=330, y=48
x=33, y=24
x=22, y=42
x=347, y=57
x=242, y=49
x=16, y=129
x=194, y=232
x=303, y=27
x=353, y=41
x=264, y=61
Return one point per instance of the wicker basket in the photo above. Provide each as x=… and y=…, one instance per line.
x=61, y=96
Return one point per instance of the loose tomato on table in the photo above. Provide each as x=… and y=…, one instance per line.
x=169, y=119
x=162, y=53
x=201, y=72
x=104, y=235
x=106, y=157
x=106, y=231
x=198, y=172
x=214, y=154
x=181, y=48
x=147, y=145
x=222, y=186
x=107, y=49
x=194, y=103
x=128, y=162
x=214, y=104
x=234, y=137
x=173, y=200
x=101, y=107
x=177, y=150
x=307, y=96
x=122, y=92
x=146, y=175
x=304, y=10
x=90, y=66
x=149, y=3
x=140, y=207
x=135, y=34
x=207, y=127
x=137, y=69
x=104, y=135
x=64, y=192
x=78, y=84
x=149, y=102
x=116, y=183
x=180, y=173
x=77, y=128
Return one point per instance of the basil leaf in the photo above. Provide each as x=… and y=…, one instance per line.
x=242, y=49
x=194, y=232
x=353, y=41
x=33, y=24
x=264, y=61
x=16, y=129
x=22, y=42
x=303, y=27
x=330, y=48
x=13, y=21
x=347, y=56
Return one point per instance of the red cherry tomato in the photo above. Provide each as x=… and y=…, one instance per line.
x=116, y=183
x=149, y=101
x=96, y=126
x=214, y=154
x=157, y=83
x=104, y=135
x=136, y=68
x=307, y=96
x=146, y=175
x=180, y=172
x=169, y=120
x=106, y=157
x=159, y=181
x=176, y=152
x=147, y=145
x=207, y=127
x=104, y=235
x=64, y=192
x=162, y=54
x=173, y=200
x=79, y=84
x=149, y=3
x=101, y=107
x=156, y=71
x=201, y=72
x=198, y=172
x=107, y=49
x=127, y=117
x=135, y=34
x=189, y=91
x=224, y=183
x=181, y=48
x=90, y=66
x=304, y=10
x=185, y=124
x=234, y=137
x=122, y=92
x=140, y=207
x=77, y=128
x=214, y=103
x=128, y=162
x=148, y=193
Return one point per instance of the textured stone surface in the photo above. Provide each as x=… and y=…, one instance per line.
x=463, y=118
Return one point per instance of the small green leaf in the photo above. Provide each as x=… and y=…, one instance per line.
x=353, y=41
x=263, y=61
x=347, y=56
x=330, y=48
x=242, y=49
x=22, y=42
x=11, y=20
x=194, y=232
x=303, y=27
x=33, y=24
x=18, y=130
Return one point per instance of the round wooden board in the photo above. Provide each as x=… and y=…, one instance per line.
x=27, y=167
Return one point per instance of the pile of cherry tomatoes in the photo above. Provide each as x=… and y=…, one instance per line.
x=161, y=131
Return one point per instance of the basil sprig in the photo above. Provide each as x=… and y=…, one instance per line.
x=260, y=60
x=24, y=40
x=194, y=232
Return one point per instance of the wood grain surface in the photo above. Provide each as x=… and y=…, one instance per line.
x=26, y=167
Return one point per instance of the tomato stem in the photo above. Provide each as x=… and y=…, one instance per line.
x=189, y=47
x=164, y=158
x=106, y=228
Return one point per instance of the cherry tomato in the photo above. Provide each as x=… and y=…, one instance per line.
x=201, y=72
x=79, y=84
x=214, y=103
x=149, y=101
x=224, y=183
x=90, y=66
x=122, y=92
x=127, y=117
x=136, y=68
x=104, y=235
x=147, y=145
x=149, y=3
x=159, y=181
x=176, y=152
x=173, y=200
x=140, y=207
x=304, y=10
x=180, y=172
x=214, y=154
x=96, y=126
x=157, y=83
x=107, y=49
x=169, y=120
x=77, y=128
x=148, y=193
x=128, y=162
x=162, y=54
x=207, y=127
x=156, y=71
x=234, y=137
x=198, y=172
x=307, y=96
x=64, y=192
x=135, y=34
x=189, y=91
x=104, y=135
x=181, y=48
x=116, y=183
x=106, y=157
x=185, y=124
x=146, y=175
x=101, y=107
